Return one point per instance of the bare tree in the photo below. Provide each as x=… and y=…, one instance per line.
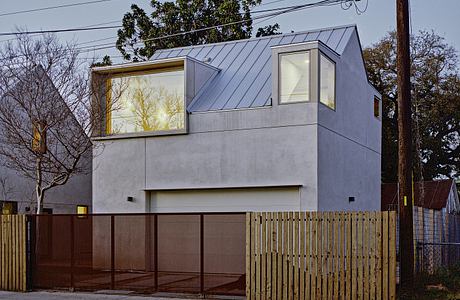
x=47, y=111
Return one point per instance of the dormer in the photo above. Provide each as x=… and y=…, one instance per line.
x=148, y=98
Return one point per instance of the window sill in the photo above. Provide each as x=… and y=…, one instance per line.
x=139, y=135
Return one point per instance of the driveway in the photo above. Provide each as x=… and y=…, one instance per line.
x=51, y=295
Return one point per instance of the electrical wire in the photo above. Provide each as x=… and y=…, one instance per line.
x=51, y=7
x=274, y=12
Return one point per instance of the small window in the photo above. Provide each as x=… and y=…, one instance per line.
x=376, y=107
x=294, y=77
x=327, y=82
x=82, y=209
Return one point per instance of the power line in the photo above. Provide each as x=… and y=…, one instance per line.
x=51, y=7
x=278, y=11
x=58, y=30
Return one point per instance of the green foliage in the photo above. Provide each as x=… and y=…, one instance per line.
x=436, y=104
x=106, y=61
x=444, y=284
x=169, y=18
x=268, y=30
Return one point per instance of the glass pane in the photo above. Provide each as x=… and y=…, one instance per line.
x=294, y=77
x=151, y=101
x=327, y=82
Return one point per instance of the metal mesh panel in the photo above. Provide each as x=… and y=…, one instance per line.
x=179, y=253
x=91, y=267
x=145, y=253
x=133, y=250
x=52, y=252
x=224, y=254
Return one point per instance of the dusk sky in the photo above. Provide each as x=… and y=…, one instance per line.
x=441, y=16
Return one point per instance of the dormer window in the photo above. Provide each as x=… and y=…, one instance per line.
x=146, y=101
x=294, y=77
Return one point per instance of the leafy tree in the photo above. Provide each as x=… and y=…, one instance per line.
x=106, y=61
x=268, y=30
x=435, y=79
x=137, y=39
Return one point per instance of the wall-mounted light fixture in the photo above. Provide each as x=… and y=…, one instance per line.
x=130, y=199
x=351, y=199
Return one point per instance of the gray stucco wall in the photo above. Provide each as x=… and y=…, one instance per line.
x=246, y=148
x=349, y=139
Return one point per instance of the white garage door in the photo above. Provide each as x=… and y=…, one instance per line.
x=226, y=200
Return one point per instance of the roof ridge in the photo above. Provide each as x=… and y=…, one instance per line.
x=258, y=38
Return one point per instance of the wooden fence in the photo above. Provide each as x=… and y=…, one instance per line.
x=13, y=253
x=321, y=255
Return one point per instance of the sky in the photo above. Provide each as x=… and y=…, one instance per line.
x=442, y=16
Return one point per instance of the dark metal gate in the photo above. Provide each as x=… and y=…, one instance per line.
x=199, y=253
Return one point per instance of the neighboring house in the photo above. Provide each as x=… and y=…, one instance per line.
x=285, y=122
x=439, y=195
x=17, y=193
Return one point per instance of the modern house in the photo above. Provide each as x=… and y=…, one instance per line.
x=17, y=192
x=285, y=122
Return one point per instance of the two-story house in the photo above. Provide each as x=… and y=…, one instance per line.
x=278, y=123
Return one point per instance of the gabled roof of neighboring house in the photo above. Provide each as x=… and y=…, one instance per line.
x=435, y=194
x=244, y=80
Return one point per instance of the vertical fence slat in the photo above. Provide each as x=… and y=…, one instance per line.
x=336, y=255
x=319, y=248
x=392, y=255
x=330, y=256
x=360, y=256
x=308, y=259
x=354, y=268
x=378, y=259
x=258, y=260
x=385, y=255
x=302, y=255
x=263, y=248
x=285, y=255
x=279, y=286
x=314, y=255
x=366, y=225
x=296, y=255
x=253, y=258
x=372, y=255
x=342, y=248
x=290, y=260
x=273, y=254
x=324, y=254
x=268, y=270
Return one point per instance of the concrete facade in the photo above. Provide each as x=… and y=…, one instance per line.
x=299, y=156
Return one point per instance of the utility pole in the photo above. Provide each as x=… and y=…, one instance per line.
x=406, y=243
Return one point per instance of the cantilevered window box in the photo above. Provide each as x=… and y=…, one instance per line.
x=147, y=98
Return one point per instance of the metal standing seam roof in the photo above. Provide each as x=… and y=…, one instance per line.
x=244, y=80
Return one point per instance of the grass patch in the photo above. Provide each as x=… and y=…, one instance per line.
x=444, y=284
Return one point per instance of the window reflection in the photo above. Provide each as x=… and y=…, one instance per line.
x=151, y=101
x=294, y=77
x=327, y=82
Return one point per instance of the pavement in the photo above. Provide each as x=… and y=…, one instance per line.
x=55, y=295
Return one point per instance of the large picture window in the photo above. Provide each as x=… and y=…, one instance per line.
x=146, y=101
x=327, y=82
x=294, y=77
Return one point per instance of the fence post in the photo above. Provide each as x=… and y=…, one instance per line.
x=201, y=255
x=112, y=252
x=72, y=253
x=155, y=251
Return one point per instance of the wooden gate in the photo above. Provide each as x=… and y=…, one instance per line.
x=321, y=255
x=13, y=253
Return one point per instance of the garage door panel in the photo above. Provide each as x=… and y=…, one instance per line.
x=226, y=200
